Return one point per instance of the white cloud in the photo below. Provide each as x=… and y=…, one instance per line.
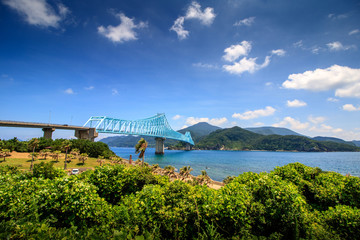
x=268, y=84
x=350, y=108
x=205, y=65
x=114, y=91
x=355, y=31
x=325, y=129
x=246, y=65
x=293, y=123
x=344, y=80
x=298, y=44
x=38, y=12
x=176, y=117
x=316, y=120
x=330, y=99
x=235, y=51
x=245, y=22
x=89, y=88
x=206, y=17
x=337, y=46
x=296, y=103
x=279, y=52
x=122, y=32
x=268, y=111
x=257, y=124
x=69, y=91
x=212, y=121
x=185, y=126
x=179, y=28
x=337, y=17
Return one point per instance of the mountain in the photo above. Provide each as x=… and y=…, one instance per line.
x=197, y=131
x=237, y=138
x=357, y=143
x=273, y=130
x=332, y=139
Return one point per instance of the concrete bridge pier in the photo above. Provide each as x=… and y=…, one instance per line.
x=159, y=147
x=89, y=134
x=48, y=132
x=188, y=147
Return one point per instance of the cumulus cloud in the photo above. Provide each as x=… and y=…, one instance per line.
x=316, y=120
x=293, y=123
x=69, y=91
x=245, y=22
x=206, y=17
x=323, y=128
x=39, y=12
x=296, y=103
x=212, y=121
x=233, y=52
x=268, y=111
x=344, y=80
x=279, y=52
x=246, y=65
x=350, y=108
x=337, y=46
x=123, y=32
x=176, y=117
x=355, y=31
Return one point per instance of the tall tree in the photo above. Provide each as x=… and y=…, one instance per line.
x=33, y=143
x=140, y=147
x=66, y=146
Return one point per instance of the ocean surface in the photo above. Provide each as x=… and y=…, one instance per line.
x=220, y=164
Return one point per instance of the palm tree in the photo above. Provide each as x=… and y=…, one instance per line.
x=100, y=159
x=83, y=157
x=66, y=145
x=44, y=153
x=5, y=153
x=140, y=147
x=75, y=152
x=204, y=177
x=185, y=172
x=56, y=155
x=170, y=171
x=34, y=142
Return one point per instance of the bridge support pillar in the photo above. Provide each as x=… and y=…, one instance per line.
x=48, y=132
x=159, y=147
x=188, y=147
x=90, y=134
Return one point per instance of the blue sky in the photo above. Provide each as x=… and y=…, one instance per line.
x=293, y=64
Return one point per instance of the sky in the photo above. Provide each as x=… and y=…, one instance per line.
x=247, y=63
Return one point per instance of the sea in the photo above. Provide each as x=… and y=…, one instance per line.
x=220, y=164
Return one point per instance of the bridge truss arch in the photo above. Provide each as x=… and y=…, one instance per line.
x=156, y=126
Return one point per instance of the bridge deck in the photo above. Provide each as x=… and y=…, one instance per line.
x=40, y=125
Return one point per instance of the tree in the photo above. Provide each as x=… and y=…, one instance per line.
x=170, y=171
x=140, y=147
x=100, y=159
x=5, y=153
x=66, y=146
x=56, y=155
x=44, y=153
x=75, y=152
x=83, y=157
x=33, y=143
x=185, y=172
x=204, y=177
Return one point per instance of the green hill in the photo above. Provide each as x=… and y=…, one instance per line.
x=237, y=138
x=332, y=139
x=272, y=131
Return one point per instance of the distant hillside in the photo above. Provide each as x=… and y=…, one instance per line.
x=332, y=139
x=197, y=131
x=357, y=143
x=273, y=130
x=237, y=138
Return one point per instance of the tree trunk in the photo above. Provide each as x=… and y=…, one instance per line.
x=65, y=162
x=32, y=159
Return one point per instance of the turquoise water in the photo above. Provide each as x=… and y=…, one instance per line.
x=220, y=164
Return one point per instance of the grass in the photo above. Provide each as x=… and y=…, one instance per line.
x=24, y=163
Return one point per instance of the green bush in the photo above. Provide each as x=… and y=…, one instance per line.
x=47, y=171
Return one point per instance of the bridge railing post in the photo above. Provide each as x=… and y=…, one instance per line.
x=48, y=132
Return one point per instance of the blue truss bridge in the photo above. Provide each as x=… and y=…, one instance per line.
x=156, y=126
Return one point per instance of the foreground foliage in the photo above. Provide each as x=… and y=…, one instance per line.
x=127, y=202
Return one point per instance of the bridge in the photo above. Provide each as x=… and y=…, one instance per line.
x=156, y=126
